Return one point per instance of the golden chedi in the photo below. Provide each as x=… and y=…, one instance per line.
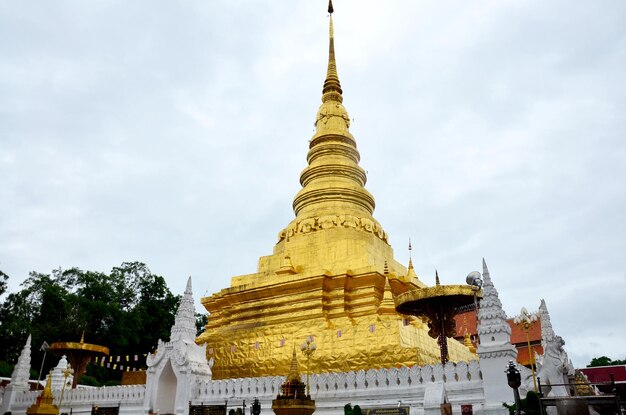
x=331, y=278
x=292, y=399
x=44, y=404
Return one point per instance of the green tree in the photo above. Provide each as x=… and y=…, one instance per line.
x=127, y=310
x=3, y=282
x=201, y=322
x=605, y=361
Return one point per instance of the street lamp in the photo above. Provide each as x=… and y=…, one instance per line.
x=67, y=372
x=308, y=348
x=525, y=321
x=514, y=380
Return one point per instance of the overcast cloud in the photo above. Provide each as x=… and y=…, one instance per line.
x=174, y=133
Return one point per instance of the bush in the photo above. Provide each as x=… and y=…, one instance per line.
x=6, y=370
x=88, y=380
x=528, y=405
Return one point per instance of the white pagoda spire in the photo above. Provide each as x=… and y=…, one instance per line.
x=495, y=349
x=547, y=333
x=21, y=372
x=492, y=324
x=184, y=327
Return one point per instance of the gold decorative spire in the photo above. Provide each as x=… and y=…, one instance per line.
x=293, y=370
x=437, y=278
x=467, y=340
x=332, y=87
x=411, y=270
x=333, y=182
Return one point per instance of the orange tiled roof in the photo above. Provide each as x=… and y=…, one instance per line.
x=518, y=335
x=522, y=353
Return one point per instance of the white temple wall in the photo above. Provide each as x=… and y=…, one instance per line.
x=81, y=400
x=405, y=386
x=373, y=388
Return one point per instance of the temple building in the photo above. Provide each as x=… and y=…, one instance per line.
x=467, y=328
x=331, y=276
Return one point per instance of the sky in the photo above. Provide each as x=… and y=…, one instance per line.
x=174, y=133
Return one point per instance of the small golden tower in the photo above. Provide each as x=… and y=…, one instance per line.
x=43, y=405
x=293, y=399
x=467, y=340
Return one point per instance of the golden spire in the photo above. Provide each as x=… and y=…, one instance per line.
x=467, y=340
x=293, y=371
x=46, y=395
x=437, y=278
x=333, y=183
x=411, y=271
x=332, y=87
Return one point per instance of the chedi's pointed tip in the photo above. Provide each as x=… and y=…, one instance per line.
x=188, y=287
x=485, y=269
x=330, y=7
x=331, y=90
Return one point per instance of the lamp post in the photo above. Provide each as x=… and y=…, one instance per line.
x=66, y=374
x=255, y=409
x=514, y=380
x=526, y=320
x=308, y=348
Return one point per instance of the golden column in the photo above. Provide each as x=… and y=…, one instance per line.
x=67, y=372
x=308, y=348
x=525, y=321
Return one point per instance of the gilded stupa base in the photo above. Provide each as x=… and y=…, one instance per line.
x=351, y=319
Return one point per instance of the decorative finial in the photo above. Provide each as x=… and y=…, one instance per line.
x=386, y=269
x=437, y=278
x=293, y=370
x=410, y=248
x=82, y=337
x=332, y=87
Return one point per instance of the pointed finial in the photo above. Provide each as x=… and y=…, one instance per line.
x=437, y=278
x=46, y=396
x=410, y=248
x=332, y=87
x=485, y=270
x=82, y=337
x=188, y=287
x=293, y=370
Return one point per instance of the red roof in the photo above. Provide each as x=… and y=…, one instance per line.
x=602, y=373
x=522, y=353
x=518, y=335
x=467, y=322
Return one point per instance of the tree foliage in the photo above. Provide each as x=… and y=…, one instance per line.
x=605, y=361
x=126, y=310
x=3, y=282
